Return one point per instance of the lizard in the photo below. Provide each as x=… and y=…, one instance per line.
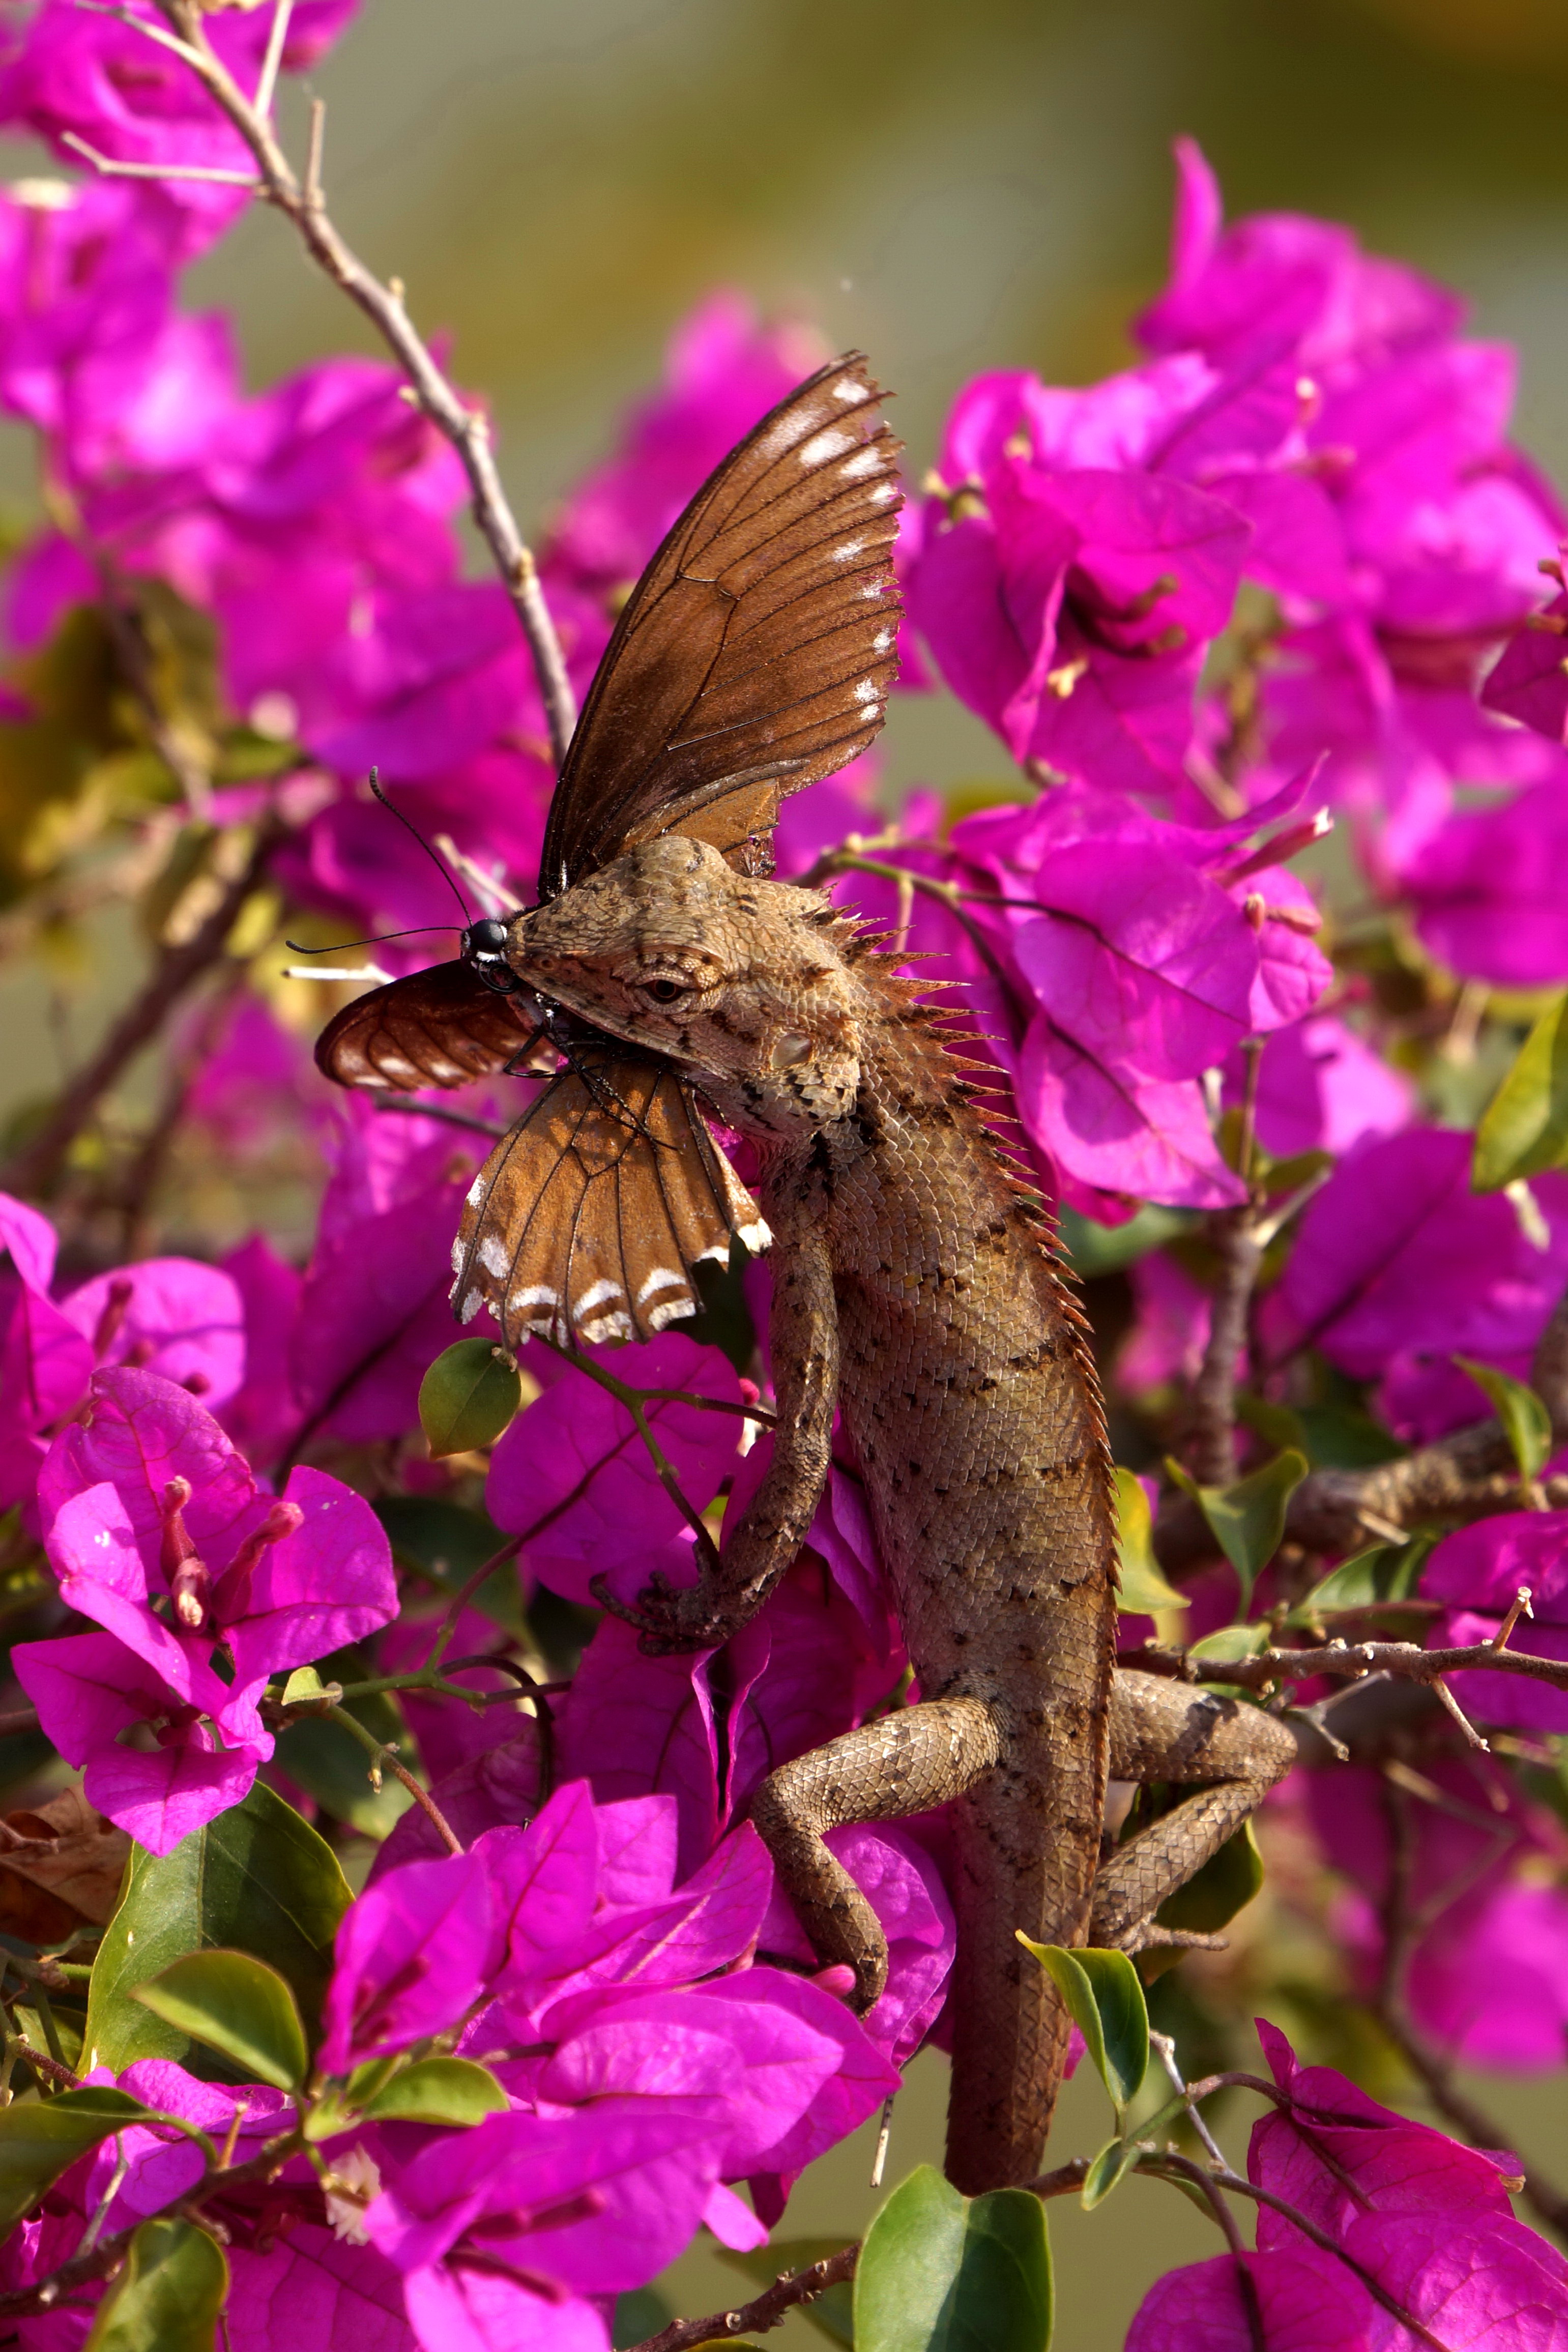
x=917, y=1290
x=916, y=1287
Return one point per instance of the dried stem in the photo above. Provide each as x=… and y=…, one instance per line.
x=1352, y=1661
x=33, y=1167
x=468, y=429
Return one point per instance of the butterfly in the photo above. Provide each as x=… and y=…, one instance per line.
x=752, y=658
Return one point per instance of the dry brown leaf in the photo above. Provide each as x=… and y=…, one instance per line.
x=61, y=1867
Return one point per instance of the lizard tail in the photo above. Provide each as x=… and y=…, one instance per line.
x=1021, y=1863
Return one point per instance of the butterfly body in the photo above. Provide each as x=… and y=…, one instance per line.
x=914, y=1284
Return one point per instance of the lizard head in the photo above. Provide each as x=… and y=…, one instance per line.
x=742, y=984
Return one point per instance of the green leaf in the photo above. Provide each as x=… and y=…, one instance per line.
x=41, y=2138
x=169, y=2294
x=1525, y=1419
x=1228, y=1643
x=1380, y=1577
x=1525, y=1127
x=448, y=1543
x=236, y=2005
x=641, y=2312
x=330, y=1765
x=468, y=1397
x=303, y=1684
x=1213, y=1894
x=256, y=1879
x=439, y=2091
x=1106, y=2002
x=1248, y=1519
x=1143, y=1588
x=942, y=2273
x=1114, y=2161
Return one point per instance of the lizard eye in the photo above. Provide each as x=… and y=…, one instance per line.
x=664, y=992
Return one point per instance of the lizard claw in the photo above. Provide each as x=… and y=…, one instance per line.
x=1144, y=1935
x=667, y=1621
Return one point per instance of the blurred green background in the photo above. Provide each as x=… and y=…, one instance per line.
x=953, y=185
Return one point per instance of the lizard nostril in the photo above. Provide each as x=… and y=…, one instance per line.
x=790, y=1049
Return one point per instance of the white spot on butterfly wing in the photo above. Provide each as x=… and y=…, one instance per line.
x=671, y=1311
x=663, y=1277
x=847, y=387
x=596, y=1294
x=476, y=1192
x=881, y=641
x=538, y=1294
x=457, y=1255
x=471, y=1306
x=881, y=495
x=618, y=1326
x=850, y=548
x=824, y=446
x=493, y=1257
x=869, y=461
x=867, y=691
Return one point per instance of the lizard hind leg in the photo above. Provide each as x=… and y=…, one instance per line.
x=1162, y=1730
x=901, y=1763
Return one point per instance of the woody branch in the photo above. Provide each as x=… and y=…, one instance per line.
x=302, y=201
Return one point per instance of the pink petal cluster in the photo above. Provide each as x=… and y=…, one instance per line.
x=160, y=1539
x=1413, y=2222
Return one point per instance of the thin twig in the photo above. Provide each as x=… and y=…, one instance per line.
x=1171, y=2165
x=110, y=167
x=85, y=2269
x=382, y=1756
x=1353, y=1661
x=1390, y=2006
x=466, y=428
x=267, y=84
x=177, y=971
x=786, y=2295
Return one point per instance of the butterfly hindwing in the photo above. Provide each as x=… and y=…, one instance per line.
x=756, y=653
x=587, y=1221
x=436, y=1028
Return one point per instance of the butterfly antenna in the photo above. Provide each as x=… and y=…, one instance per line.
x=381, y=941
x=438, y=862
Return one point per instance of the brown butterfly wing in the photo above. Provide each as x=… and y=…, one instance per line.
x=756, y=653
x=585, y=1222
x=436, y=1028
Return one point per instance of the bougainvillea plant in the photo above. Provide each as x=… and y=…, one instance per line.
x=386, y=1956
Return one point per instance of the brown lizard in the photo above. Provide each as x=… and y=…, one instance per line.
x=915, y=1287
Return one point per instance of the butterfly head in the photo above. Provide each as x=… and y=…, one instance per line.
x=483, y=946
x=741, y=983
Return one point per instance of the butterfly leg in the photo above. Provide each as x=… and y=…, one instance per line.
x=803, y=1340
x=1162, y=1730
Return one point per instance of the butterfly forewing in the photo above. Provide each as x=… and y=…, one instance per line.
x=436, y=1028
x=587, y=1221
x=755, y=655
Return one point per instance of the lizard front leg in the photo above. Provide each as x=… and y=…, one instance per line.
x=803, y=1342
x=1162, y=1730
